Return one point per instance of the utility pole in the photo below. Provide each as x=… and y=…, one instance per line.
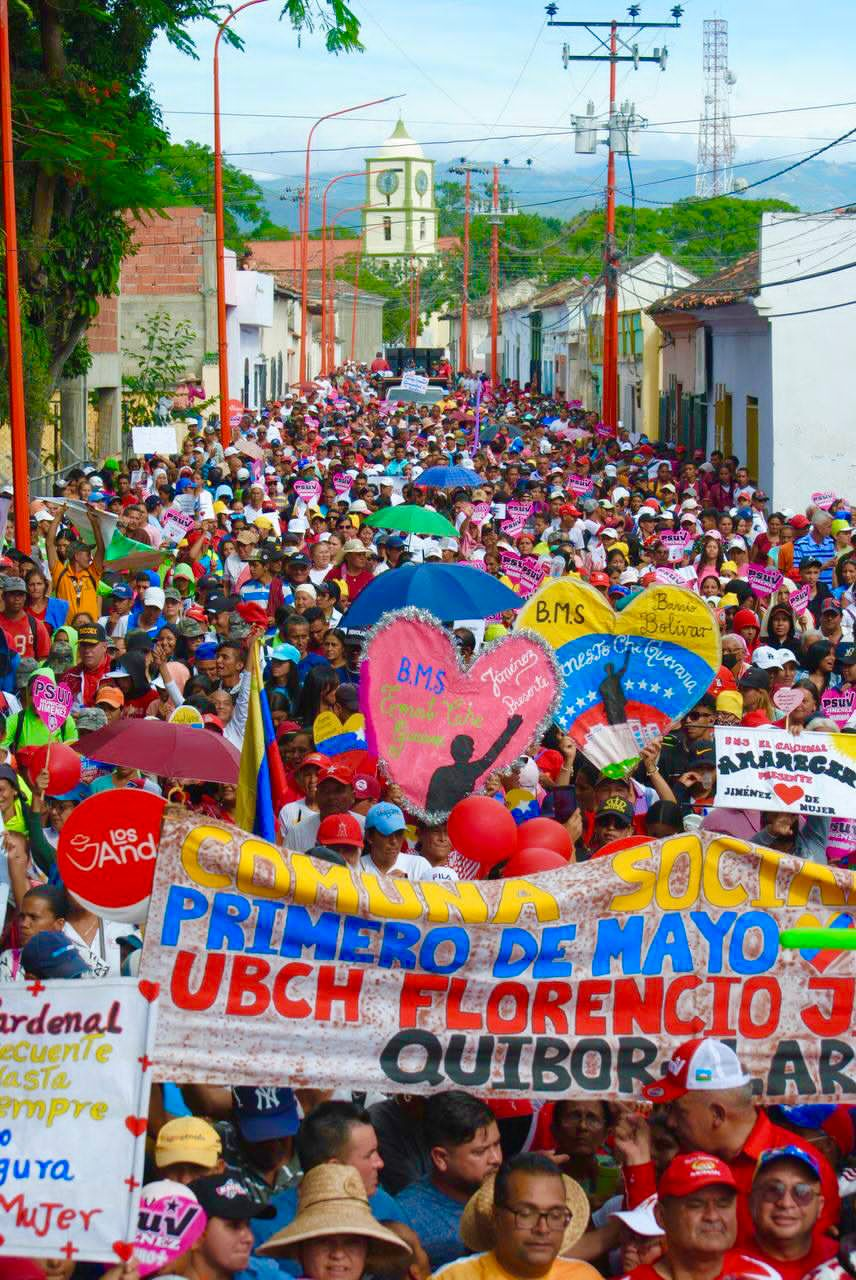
x=619, y=126
x=494, y=214
x=467, y=170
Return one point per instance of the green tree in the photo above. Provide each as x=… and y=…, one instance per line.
x=184, y=173
x=159, y=361
x=89, y=136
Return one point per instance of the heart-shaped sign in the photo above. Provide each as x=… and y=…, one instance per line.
x=308, y=490
x=798, y=600
x=169, y=1221
x=51, y=702
x=626, y=673
x=520, y=510
x=821, y=960
x=838, y=705
x=579, y=485
x=787, y=699
x=341, y=482
x=788, y=793
x=440, y=730
x=480, y=512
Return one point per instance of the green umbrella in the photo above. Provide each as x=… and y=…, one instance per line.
x=412, y=520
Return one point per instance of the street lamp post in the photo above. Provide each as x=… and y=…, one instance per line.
x=356, y=173
x=17, y=414
x=304, y=229
x=220, y=235
x=329, y=356
x=468, y=170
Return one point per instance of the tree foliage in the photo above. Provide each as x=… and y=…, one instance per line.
x=158, y=362
x=184, y=173
x=89, y=156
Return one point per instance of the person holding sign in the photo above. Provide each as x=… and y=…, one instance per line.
x=76, y=581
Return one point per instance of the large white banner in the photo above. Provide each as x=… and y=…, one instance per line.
x=768, y=768
x=75, y=1074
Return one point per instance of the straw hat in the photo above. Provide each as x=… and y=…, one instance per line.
x=477, y=1224
x=332, y=1201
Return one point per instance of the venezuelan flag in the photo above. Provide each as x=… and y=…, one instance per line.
x=261, y=779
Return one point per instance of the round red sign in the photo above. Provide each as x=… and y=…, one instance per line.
x=107, y=850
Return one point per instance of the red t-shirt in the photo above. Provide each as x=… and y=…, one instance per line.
x=736, y=1265
x=19, y=636
x=821, y=1251
x=640, y=1180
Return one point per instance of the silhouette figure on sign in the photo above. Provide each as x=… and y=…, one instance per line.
x=612, y=694
x=453, y=782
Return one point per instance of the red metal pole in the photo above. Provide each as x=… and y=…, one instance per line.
x=331, y=338
x=220, y=236
x=304, y=231
x=494, y=277
x=609, y=405
x=356, y=173
x=17, y=412
x=463, y=357
x=354, y=305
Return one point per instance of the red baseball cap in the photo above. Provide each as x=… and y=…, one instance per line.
x=599, y=579
x=697, y=1065
x=366, y=787
x=341, y=828
x=688, y=1173
x=337, y=771
x=798, y=522
x=315, y=758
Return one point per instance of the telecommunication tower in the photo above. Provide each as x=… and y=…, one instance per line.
x=714, y=175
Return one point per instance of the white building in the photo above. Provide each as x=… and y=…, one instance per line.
x=400, y=217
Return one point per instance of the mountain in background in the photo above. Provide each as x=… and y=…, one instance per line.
x=816, y=184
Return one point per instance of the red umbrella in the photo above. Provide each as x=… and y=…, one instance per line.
x=165, y=749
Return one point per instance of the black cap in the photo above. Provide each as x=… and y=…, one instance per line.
x=91, y=633
x=224, y=1195
x=754, y=678
x=845, y=653
x=222, y=604
x=616, y=807
x=299, y=562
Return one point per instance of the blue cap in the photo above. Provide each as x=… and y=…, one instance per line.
x=263, y=1113
x=395, y=540
x=52, y=955
x=183, y=484
x=385, y=818
x=122, y=591
x=75, y=796
x=206, y=651
x=808, y=1115
x=284, y=653
x=745, y=513
x=790, y=1152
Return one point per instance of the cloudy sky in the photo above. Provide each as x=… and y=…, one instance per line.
x=484, y=79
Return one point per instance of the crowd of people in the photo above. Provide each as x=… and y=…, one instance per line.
x=270, y=549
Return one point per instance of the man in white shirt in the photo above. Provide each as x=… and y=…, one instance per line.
x=384, y=839
x=335, y=795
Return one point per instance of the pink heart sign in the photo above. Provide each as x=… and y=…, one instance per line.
x=838, y=705
x=787, y=700
x=308, y=490
x=169, y=1221
x=51, y=702
x=440, y=730
x=341, y=482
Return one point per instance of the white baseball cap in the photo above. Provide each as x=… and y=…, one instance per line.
x=154, y=596
x=702, y=1065
x=641, y=1220
x=765, y=657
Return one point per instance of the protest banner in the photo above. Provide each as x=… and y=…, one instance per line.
x=675, y=542
x=82, y=517
x=74, y=1097
x=768, y=768
x=576, y=981
x=411, y=381
x=440, y=729
x=838, y=705
x=669, y=577
x=51, y=702
x=763, y=581
x=176, y=524
x=626, y=674
x=579, y=485
x=798, y=600
x=525, y=573
x=841, y=845
x=154, y=440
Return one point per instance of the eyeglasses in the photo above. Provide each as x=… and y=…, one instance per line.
x=528, y=1216
x=802, y=1193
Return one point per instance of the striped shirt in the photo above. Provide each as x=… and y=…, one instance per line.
x=807, y=548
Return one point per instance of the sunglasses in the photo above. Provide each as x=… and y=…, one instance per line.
x=802, y=1193
x=694, y=716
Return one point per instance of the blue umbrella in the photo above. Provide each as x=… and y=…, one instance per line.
x=446, y=590
x=448, y=478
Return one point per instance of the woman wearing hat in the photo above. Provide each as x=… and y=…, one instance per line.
x=334, y=1235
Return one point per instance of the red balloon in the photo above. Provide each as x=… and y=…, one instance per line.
x=544, y=833
x=482, y=829
x=63, y=767
x=527, y=861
